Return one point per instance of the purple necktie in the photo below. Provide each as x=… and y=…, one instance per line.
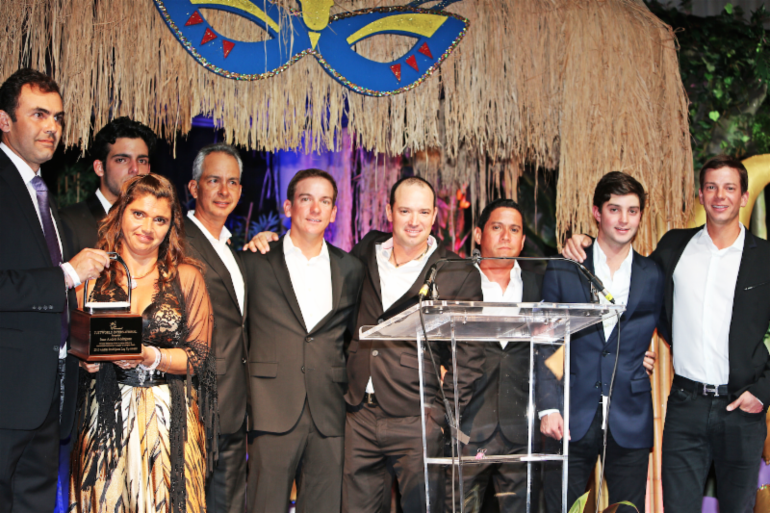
x=50, y=239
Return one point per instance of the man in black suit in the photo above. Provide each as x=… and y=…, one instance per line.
x=495, y=417
x=721, y=389
x=38, y=380
x=383, y=429
x=304, y=293
x=121, y=149
x=216, y=187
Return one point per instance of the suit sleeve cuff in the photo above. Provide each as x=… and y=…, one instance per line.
x=543, y=413
x=70, y=271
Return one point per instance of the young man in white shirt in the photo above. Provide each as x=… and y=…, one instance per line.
x=638, y=283
x=121, y=149
x=496, y=416
x=303, y=295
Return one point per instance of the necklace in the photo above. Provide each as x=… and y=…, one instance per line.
x=417, y=258
x=134, y=280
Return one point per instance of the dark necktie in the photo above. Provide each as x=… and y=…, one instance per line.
x=50, y=239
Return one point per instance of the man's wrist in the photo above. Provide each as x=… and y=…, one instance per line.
x=543, y=413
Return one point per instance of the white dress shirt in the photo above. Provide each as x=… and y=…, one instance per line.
x=493, y=292
x=618, y=285
x=704, y=287
x=225, y=255
x=106, y=205
x=311, y=280
x=396, y=281
x=27, y=174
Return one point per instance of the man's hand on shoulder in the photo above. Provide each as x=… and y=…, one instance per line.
x=90, y=263
x=261, y=242
x=649, y=362
x=746, y=402
x=573, y=248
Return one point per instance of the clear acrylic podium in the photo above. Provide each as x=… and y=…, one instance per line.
x=543, y=328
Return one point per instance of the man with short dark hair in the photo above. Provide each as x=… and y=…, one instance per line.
x=121, y=149
x=638, y=283
x=496, y=416
x=38, y=381
x=383, y=430
x=216, y=187
x=717, y=306
x=301, y=312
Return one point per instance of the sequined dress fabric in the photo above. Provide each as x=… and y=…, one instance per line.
x=142, y=440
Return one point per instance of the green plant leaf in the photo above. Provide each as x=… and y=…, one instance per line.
x=729, y=8
x=580, y=504
x=614, y=507
x=714, y=115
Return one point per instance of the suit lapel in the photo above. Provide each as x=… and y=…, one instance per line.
x=13, y=178
x=374, y=270
x=95, y=207
x=410, y=295
x=209, y=254
x=530, y=292
x=744, y=276
x=336, y=271
x=278, y=262
x=245, y=288
x=636, y=287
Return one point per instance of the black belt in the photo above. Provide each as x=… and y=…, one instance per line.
x=131, y=377
x=370, y=399
x=700, y=388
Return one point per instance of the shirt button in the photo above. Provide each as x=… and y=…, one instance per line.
x=379, y=320
x=56, y=348
x=302, y=368
x=308, y=339
x=375, y=352
x=598, y=384
x=605, y=353
x=243, y=361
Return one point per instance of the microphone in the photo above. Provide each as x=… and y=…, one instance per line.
x=431, y=277
x=475, y=256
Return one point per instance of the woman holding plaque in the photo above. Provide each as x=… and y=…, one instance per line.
x=146, y=426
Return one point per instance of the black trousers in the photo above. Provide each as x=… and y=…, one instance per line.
x=625, y=471
x=378, y=448
x=226, y=487
x=508, y=479
x=303, y=454
x=29, y=464
x=698, y=431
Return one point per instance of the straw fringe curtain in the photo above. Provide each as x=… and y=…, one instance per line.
x=585, y=86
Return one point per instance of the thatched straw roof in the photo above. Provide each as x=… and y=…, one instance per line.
x=582, y=86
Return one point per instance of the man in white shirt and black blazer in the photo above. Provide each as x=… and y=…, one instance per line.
x=38, y=381
x=496, y=416
x=304, y=294
x=216, y=187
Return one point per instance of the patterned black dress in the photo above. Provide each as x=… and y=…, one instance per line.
x=142, y=440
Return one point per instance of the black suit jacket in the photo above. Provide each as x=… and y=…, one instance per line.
x=229, y=340
x=286, y=362
x=81, y=223
x=392, y=365
x=749, y=358
x=32, y=297
x=501, y=394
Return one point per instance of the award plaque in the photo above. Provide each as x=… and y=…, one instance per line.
x=106, y=331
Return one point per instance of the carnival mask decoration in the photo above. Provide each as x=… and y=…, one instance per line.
x=330, y=39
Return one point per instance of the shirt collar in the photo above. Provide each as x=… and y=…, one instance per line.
x=387, y=248
x=224, y=235
x=27, y=174
x=106, y=205
x=515, y=273
x=705, y=239
x=600, y=258
x=289, y=248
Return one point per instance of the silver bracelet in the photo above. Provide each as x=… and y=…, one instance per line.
x=155, y=363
